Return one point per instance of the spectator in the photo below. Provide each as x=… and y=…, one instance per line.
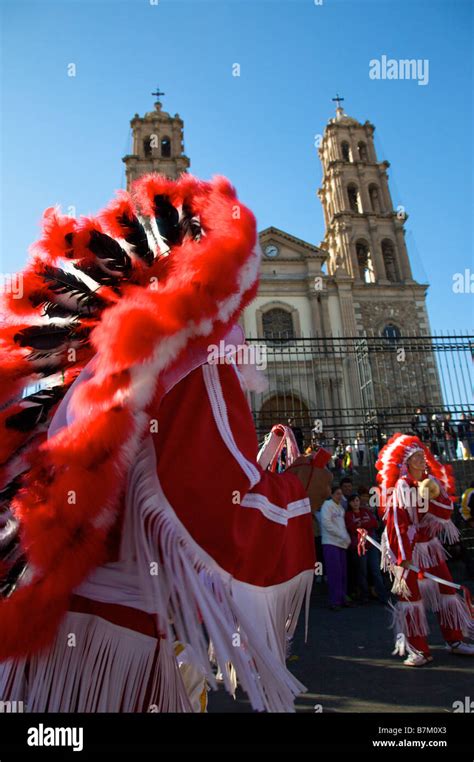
x=347, y=460
x=360, y=515
x=470, y=434
x=338, y=456
x=364, y=495
x=298, y=433
x=360, y=448
x=437, y=439
x=347, y=489
x=374, y=449
x=467, y=545
x=450, y=438
x=335, y=540
x=467, y=503
x=316, y=433
x=463, y=436
x=317, y=540
x=420, y=425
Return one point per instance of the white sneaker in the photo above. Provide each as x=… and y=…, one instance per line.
x=465, y=649
x=416, y=660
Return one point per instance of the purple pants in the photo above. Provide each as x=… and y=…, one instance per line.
x=335, y=563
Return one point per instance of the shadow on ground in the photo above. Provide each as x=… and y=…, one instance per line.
x=347, y=666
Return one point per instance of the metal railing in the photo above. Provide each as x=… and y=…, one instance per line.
x=371, y=386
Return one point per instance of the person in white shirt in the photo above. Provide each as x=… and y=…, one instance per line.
x=335, y=540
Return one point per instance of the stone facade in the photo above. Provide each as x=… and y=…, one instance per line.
x=158, y=145
x=357, y=283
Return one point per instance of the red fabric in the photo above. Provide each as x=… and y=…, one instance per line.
x=399, y=518
x=123, y=616
x=365, y=519
x=397, y=524
x=442, y=508
x=450, y=634
x=205, y=485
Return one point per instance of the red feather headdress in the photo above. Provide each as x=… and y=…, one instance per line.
x=394, y=454
x=169, y=265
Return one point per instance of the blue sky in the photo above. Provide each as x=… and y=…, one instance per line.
x=63, y=138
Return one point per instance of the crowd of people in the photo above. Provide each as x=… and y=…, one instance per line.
x=352, y=578
x=448, y=440
x=356, y=579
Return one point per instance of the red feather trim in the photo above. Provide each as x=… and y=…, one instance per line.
x=56, y=227
x=70, y=498
x=391, y=457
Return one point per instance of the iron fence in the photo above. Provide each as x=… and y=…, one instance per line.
x=336, y=388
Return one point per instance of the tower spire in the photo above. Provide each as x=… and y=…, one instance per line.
x=158, y=93
x=339, y=109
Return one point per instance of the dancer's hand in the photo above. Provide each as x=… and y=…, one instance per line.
x=428, y=488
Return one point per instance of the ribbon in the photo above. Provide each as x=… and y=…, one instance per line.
x=426, y=575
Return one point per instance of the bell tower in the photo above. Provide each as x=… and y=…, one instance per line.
x=364, y=235
x=368, y=264
x=158, y=144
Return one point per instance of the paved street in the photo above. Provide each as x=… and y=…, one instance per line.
x=347, y=666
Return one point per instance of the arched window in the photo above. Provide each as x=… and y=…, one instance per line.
x=166, y=147
x=388, y=253
x=345, y=151
x=147, y=146
x=354, y=200
x=364, y=261
x=374, y=199
x=362, y=149
x=391, y=332
x=278, y=325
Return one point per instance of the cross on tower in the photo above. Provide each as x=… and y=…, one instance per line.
x=158, y=93
x=338, y=100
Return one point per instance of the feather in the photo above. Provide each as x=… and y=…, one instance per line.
x=167, y=219
x=106, y=248
x=58, y=234
x=120, y=221
x=54, y=310
x=67, y=283
x=10, y=581
x=36, y=408
x=189, y=223
x=43, y=337
x=10, y=489
x=134, y=233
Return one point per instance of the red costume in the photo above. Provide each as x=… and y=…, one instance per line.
x=140, y=532
x=415, y=527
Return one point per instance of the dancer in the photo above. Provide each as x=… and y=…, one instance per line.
x=416, y=494
x=139, y=531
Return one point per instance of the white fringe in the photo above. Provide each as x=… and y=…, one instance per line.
x=442, y=528
x=454, y=613
x=109, y=669
x=403, y=646
x=386, y=559
x=429, y=591
x=409, y=618
x=247, y=624
x=400, y=586
x=428, y=554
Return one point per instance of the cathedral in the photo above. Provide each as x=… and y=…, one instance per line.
x=337, y=320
